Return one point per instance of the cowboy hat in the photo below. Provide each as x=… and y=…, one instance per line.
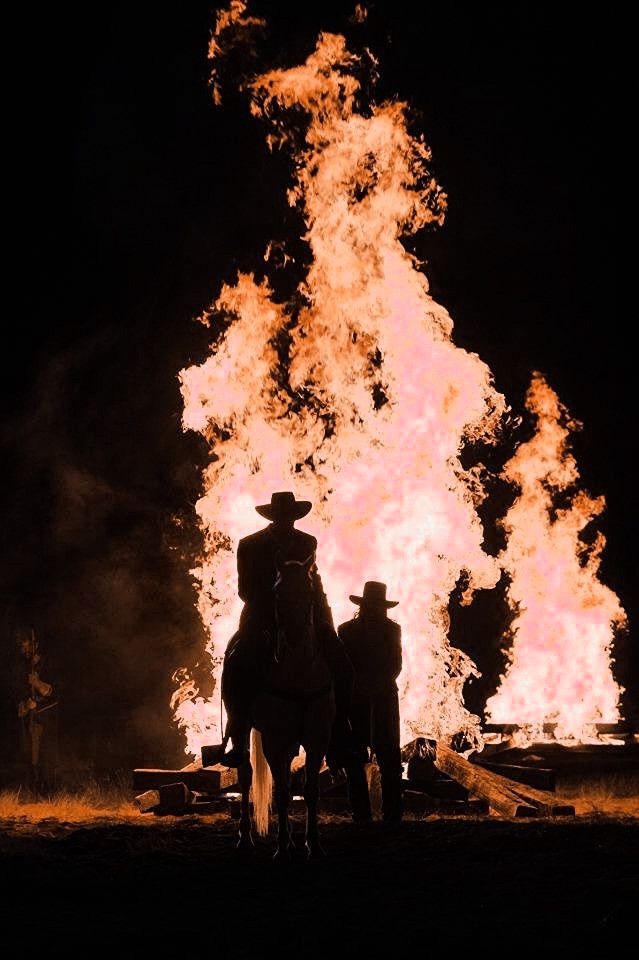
x=374, y=594
x=284, y=506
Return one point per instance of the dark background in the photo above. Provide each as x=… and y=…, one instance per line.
x=135, y=199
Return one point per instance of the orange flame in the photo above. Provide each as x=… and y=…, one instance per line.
x=560, y=667
x=358, y=401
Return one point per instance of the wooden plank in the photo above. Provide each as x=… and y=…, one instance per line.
x=416, y=802
x=444, y=788
x=543, y=778
x=330, y=785
x=474, y=806
x=200, y=809
x=175, y=795
x=484, y=784
x=148, y=800
x=619, y=728
x=208, y=780
x=177, y=800
x=548, y=803
x=477, y=805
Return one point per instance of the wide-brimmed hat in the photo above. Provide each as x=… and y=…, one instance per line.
x=284, y=506
x=374, y=594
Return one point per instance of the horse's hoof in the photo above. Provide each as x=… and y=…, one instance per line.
x=282, y=855
x=245, y=844
x=315, y=850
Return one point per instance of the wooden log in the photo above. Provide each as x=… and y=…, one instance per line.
x=421, y=768
x=477, y=805
x=209, y=780
x=549, y=727
x=417, y=802
x=445, y=788
x=484, y=784
x=175, y=795
x=177, y=799
x=548, y=803
x=543, y=778
x=200, y=807
x=193, y=765
x=148, y=800
x=545, y=803
x=473, y=806
x=332, y=785
x=209, y=806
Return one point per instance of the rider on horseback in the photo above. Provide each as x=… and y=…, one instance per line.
x=258, y=557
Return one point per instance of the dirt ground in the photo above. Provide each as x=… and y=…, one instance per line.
x=122, y=881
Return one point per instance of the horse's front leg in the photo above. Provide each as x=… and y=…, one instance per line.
x=245, y=778
x=311, y=796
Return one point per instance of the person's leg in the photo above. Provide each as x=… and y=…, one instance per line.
x=358, y=795
x=387, y=750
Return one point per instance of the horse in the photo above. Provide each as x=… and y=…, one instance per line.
x=295, y=707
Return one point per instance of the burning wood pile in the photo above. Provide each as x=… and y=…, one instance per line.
x=193, y=789
x=437, y=779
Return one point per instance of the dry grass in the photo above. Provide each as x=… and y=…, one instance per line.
x=94, y=801
x=611, y=796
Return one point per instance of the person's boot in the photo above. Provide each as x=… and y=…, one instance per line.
x=239, y=733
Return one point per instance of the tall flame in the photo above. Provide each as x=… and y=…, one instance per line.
x=354, y=395
x=560, y=668
x=358, y=400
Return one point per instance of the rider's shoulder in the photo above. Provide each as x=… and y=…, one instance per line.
x=306, y=538
x=254, y=538
x=348, y=627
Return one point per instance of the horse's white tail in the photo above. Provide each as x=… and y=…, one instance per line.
x=262, y=787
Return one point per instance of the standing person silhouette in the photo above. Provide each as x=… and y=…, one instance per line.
x=374, y=646
x=245, y=660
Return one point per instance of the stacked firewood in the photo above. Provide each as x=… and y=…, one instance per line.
x=437, y=780
x=503, y=794
x=193, y=789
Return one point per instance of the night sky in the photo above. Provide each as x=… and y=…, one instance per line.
x=137, y=198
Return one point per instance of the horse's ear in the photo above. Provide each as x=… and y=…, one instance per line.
x=310, y=560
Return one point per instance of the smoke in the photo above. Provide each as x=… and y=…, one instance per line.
x=91, y=563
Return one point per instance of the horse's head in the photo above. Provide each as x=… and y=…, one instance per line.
x=296, y=639
x=293, y=595
x=293, y=585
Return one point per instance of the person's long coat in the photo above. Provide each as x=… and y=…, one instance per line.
x=374, y=648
